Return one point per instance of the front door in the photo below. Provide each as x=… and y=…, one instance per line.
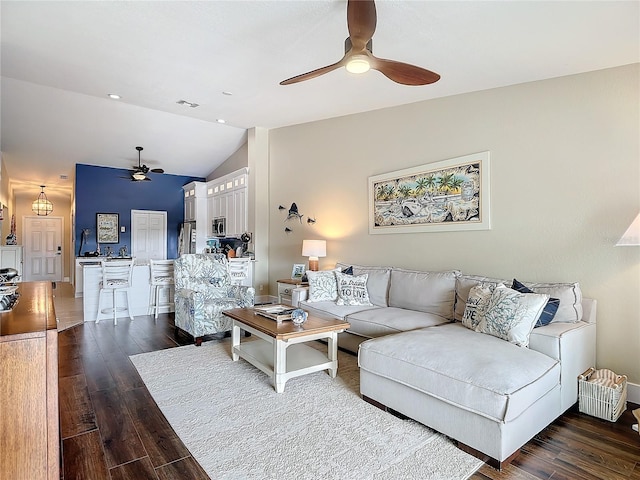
x=42, y=249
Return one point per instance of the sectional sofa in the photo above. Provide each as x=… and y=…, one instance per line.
x=428, y=349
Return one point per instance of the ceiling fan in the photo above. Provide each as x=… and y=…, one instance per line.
x=358, y=57
x=139, y=172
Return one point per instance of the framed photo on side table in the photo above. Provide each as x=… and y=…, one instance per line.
x=298, y=271
x=107, y=228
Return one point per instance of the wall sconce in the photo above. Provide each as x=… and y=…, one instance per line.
x=314, y=249
x=632, y=236
x=42, y=206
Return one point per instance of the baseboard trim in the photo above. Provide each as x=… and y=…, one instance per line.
x=633, y=393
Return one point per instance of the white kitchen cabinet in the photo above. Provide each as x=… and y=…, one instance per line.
x=239, y=212
x=11, y=257
x=195, y=210
x=194, y=201
x=227, y=198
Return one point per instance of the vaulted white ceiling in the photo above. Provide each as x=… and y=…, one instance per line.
x=61, y=59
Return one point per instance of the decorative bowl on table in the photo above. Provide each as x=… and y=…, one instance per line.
x=298, y=316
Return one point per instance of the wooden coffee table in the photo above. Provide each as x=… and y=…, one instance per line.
x=278, y=348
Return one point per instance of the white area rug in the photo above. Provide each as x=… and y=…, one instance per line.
x=237, y=427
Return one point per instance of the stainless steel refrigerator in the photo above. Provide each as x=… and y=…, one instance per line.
x=187, y=239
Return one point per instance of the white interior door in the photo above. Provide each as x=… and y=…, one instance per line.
x=42, y=248
x=148, y=234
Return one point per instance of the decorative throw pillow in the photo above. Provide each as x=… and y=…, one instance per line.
x=477, y=304
x=322, y=286
x=510, y=315
x=549, y=310
x=352, y=289
x=570, y=295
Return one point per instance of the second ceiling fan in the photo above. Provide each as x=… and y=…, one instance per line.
x=358, y=57
x=139, y=172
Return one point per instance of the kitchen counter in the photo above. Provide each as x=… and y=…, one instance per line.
x=140, y=292
x=82, y=262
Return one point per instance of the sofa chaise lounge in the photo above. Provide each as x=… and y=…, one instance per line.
x=417, y=358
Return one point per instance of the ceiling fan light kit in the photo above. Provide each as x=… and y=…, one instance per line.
x=359, y=58
x=358, y=64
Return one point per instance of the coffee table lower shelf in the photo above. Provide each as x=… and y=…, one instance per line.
x=284, y=359
x=300, y=359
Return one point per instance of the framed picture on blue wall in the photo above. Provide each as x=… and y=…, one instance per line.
x=107, y=228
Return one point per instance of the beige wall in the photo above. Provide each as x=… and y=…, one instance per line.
x=61, y=208
x=238, y=160
x=565, y=184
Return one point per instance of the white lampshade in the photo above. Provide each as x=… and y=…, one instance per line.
x=314, y=249
x=632, y=236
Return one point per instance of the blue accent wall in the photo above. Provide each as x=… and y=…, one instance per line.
x=104, y=190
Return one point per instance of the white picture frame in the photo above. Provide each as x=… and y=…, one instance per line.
x=298, y=271
x=448, y=195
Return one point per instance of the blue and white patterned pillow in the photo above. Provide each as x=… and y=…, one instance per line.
x=477, y=304
x=510, y=315
x=322, y=286
x=352, y=289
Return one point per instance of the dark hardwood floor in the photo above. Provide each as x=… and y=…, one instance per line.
x=112, y=429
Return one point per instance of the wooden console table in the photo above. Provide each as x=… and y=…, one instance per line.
x=29, y=386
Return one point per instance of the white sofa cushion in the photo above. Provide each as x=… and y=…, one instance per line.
x=384, y=321
x=430, y=292
x=377, y=282
x=570, y=295
x=329, y=309
x=482, y=374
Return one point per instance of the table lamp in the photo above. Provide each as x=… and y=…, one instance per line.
x=314, y=249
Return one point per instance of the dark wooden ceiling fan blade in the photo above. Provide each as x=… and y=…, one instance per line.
x=361, y=22
x=157, y=170
x=312, y=74
x=404, y=73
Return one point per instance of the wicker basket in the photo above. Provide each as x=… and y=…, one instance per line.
x=606, y=399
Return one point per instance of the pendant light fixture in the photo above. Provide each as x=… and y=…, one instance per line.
x=42, y=206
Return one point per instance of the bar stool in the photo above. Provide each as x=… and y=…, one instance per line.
x=161, y=277
x=116, y=276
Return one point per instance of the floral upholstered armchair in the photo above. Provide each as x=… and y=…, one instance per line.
x=203, y=291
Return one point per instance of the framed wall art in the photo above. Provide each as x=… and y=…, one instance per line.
x=448, y=195
x=107, y=228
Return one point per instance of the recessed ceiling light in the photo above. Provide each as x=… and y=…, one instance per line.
x=114, y=96
x=227, y=93
x=221, y=120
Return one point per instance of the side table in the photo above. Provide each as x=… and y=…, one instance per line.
x=285, y=289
